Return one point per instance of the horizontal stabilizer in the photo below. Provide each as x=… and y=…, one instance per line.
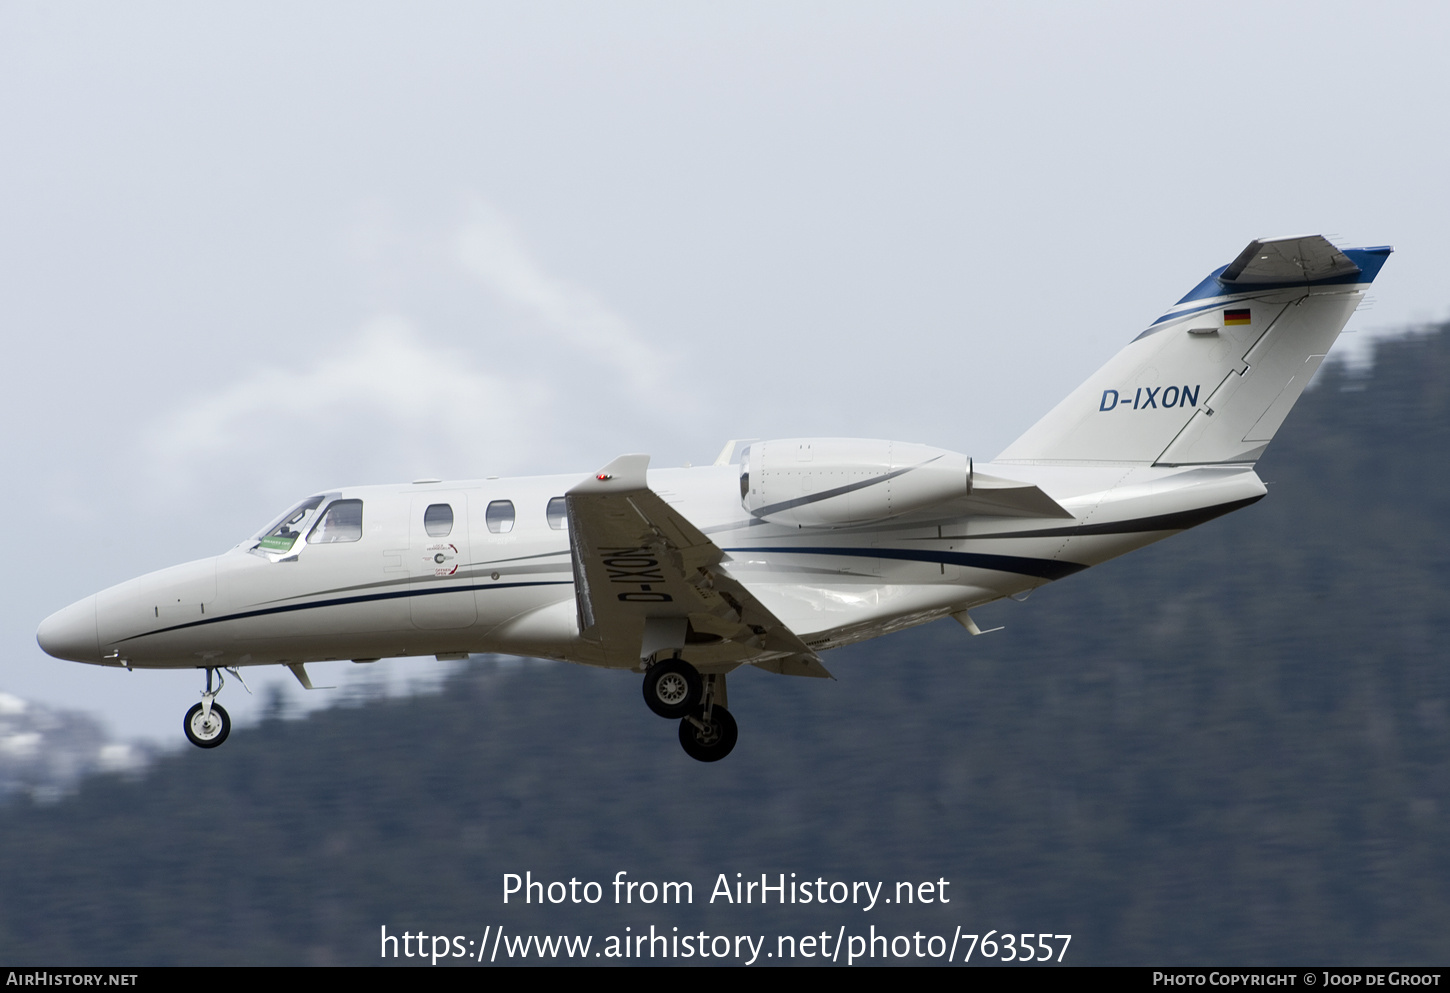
x=993, y=496
x=1296, y=259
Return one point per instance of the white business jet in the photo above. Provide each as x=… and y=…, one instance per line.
x=774, y=554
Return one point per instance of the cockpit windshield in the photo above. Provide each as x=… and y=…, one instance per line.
x=283, y=534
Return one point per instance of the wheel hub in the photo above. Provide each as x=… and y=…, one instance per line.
x=672, y=689
x=707, y=735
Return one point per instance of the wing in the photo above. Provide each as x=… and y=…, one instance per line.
x=646, y=579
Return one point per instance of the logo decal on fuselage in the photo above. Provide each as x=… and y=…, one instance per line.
x=1150, y=398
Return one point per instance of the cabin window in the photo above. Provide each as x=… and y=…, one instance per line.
x=438, y=520
x=500, y=516
x=342, y=521
x=282, y=535
x=558, y=513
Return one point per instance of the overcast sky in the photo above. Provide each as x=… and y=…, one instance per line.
x=249, y=251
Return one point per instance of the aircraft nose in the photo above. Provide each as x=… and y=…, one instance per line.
x=70, y=633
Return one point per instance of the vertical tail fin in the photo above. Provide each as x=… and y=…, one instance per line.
x=1212, y=379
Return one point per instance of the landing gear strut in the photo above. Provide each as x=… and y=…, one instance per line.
x=207, y=724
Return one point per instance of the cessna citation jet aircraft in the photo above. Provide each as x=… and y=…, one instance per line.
x=765, y=559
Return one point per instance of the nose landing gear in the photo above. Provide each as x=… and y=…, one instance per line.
x=207, y=724
x=207, y=727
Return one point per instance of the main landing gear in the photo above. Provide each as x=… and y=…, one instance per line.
x=672, y=688
x=675, y=690
x=207, y=724
x=710, y=735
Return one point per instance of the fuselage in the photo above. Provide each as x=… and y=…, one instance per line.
x=480, y=566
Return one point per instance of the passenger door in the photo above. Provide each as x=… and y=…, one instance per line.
x=440, y=569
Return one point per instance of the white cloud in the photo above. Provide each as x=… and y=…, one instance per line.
x=386, y=368
x=489, y=249
x=390, y=403
x=365, y=400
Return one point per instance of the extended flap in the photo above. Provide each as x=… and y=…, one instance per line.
x=636, y=558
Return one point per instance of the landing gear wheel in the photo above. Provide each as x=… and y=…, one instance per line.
x=210, y=731
x=714, y=740
x=672, y=688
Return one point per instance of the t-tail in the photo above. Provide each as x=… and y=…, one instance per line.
x=1211, y=381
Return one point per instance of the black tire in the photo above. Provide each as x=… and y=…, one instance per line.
x=210, y=733
x=712, y=742
x=672, y=688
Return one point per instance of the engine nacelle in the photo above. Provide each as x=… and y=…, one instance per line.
x=832, y=482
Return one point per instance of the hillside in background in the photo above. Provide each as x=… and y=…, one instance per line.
x=44, y=750
x=1228, y=748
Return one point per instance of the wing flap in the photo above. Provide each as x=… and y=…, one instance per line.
x=636, y=558
x=796, y=665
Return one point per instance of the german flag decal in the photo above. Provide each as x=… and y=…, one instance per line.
x=1232, y=317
